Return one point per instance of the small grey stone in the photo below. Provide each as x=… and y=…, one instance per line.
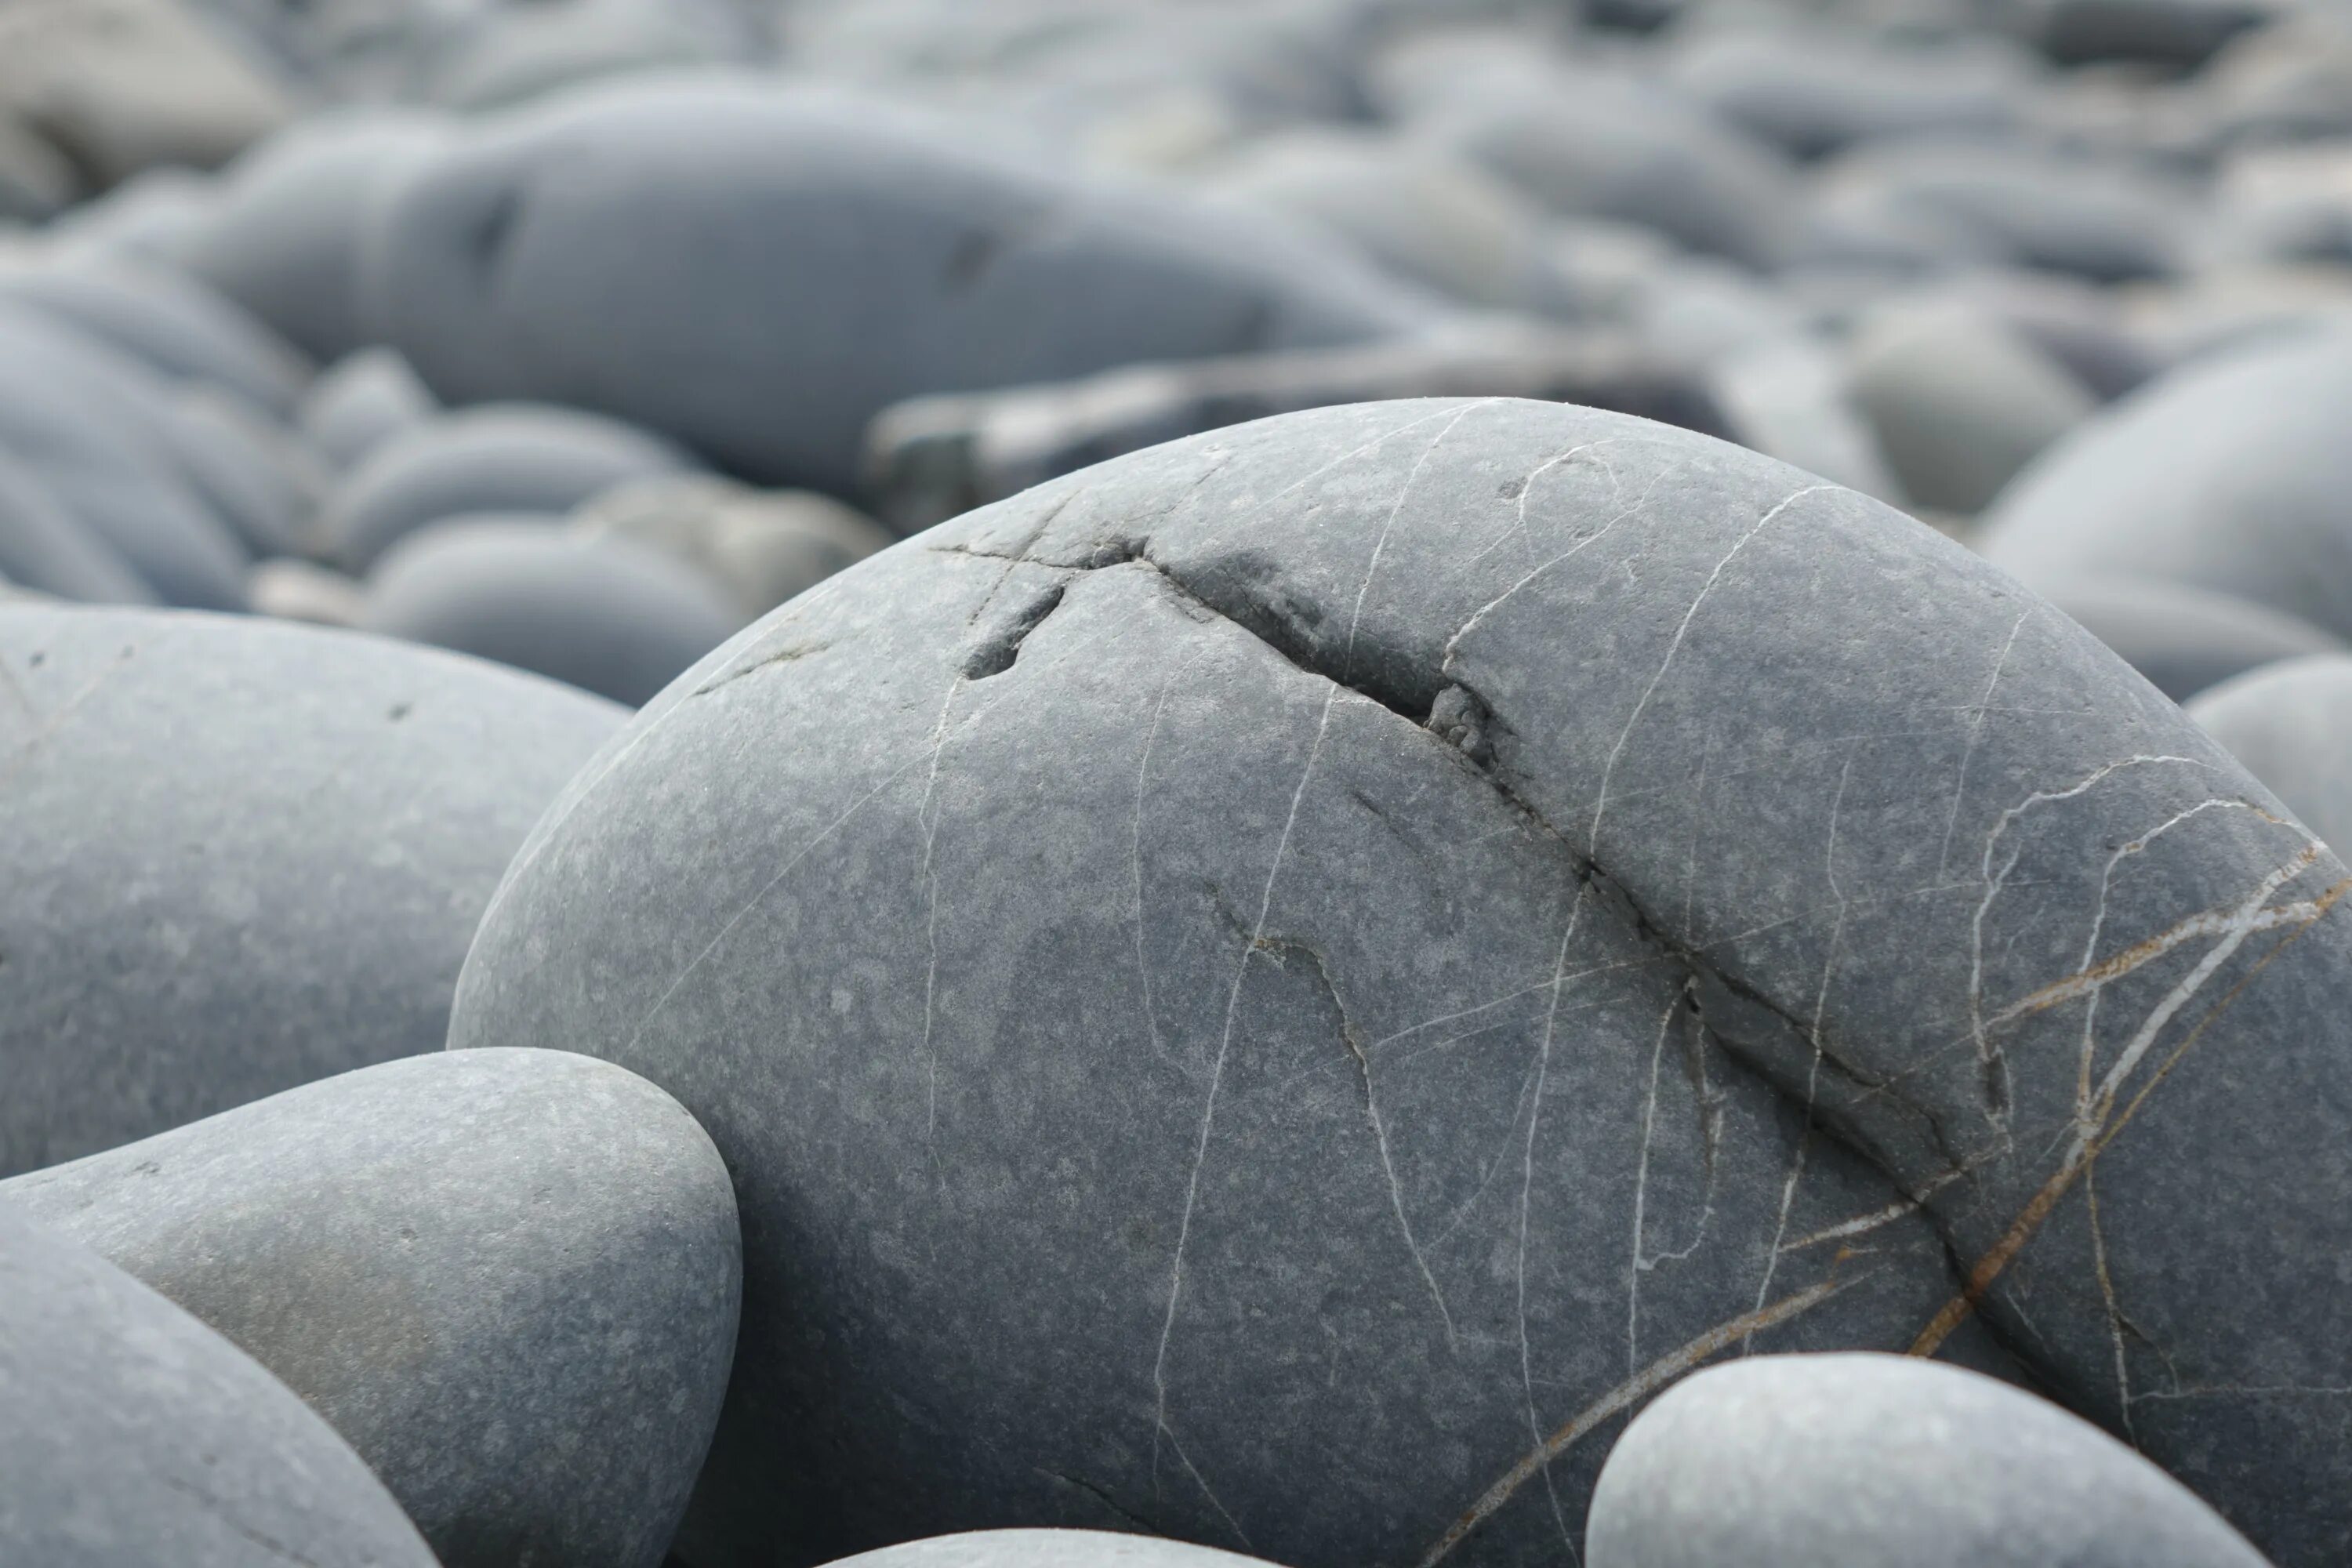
x=2167, y=32
x=168, y=320
x=2186, y=639
x=509, y=1278
x=291, y=589
x=362, y=401
x=1819, y=89
x=1880, y=1461
x=1047, y=1549
x=760, y=546
x=1173, y=1083
x=795, y=261
x=2229, y=475
x=236, y=856
x=502, y=457
x=132, y=1434
x=600, y=612
x=45, y=549
x=2291, y=724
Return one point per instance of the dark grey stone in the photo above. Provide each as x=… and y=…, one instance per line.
x=793, y=262
x=44, y=549
x=2186, y=639
x=2184, y=33
x=604, y=613
x=132, y=1434
x=506, y=457
x=2232, y=474
x=1879, y=1461
x=760, y=546
x=169, y=320
x=236, y=856
x=283, y=237
x=1047, y=1549
x=1272, y=990
x=362, y=401
x=2291, y=724
x=90, y=424
x=509, y=1278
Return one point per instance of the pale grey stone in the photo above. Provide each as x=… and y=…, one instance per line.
x=43, y=548
x=760, y=546
x=1047, y=1549
x=168, y=320
x=362, y=401
x=2290, y=723
x=2185, y=639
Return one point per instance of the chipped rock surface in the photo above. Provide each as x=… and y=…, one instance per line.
x=237, y=856
x=1872, y=1461
x=130, y=1433
x=1272, y=991
x=507, y=1277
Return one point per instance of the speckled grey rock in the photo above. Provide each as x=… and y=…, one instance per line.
x=44, y=549
x=503, y=457
x=600, y=612
x=1045, y=1549
x=236, y=856
x=509, y=1278
x=1960, y=403
x=1878, y=1461
x=2231, y=474
x=132, y=1434
x=2185, y=639
x=284, y=238
x=2291, y=724
x=795, y=261
x=90, y=427
x=169, y=320
x=760, y=546
x=1271, y=990
x=360, y=401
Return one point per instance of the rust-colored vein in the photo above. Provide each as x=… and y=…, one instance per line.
x=1638, y=1387
x=2217, y=921
x=2078, y=1160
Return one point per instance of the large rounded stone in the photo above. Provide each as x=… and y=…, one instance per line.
x=505, y=458
x=795, y=262
x=1875, y=1461
x=238, y=855
x=2291, y=724
x=509, y=1278
x=598, y=611
x=1271, y=990
x=130, y=1433
x=1047, y=1549
x=2231, y=474
x=2186, y=639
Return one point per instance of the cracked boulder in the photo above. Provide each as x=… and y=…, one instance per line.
x=1871, y=1461
x=1275, y=990
x=797, y=261
x=130, y=1433
x=237, y=856
x=508, y=1277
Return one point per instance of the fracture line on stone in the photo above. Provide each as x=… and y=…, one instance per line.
x=1642, y=1186
x=2115, y=1309
x=1976, y=729
x=1396, y=1189
x=1616, y=487
x=929, y=822
x=1202, y=1481
x=1380, y=545
x=1217, y=1081
x=1652, y=1378
x=1135, y=837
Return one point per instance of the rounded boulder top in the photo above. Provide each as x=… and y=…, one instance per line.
x=1047, y=1549
x=236, y=856
x=1275, y=989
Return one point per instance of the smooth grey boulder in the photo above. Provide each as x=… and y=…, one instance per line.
x=761, y=547
x=236, y=856
x=1045, y=1549
x=142, y=218
x=2183, y=33
x=2229, y=475
x=597, y=611
x=2185, y=639
x=360, y=401
x=515, y=56
x=1818, y=90
x=1960, y=403
x=2290, y=723
x=168, y=320
x=504, y=458
x=509, y=1278
x=44, y=549
x=285, y=237
x=132, y=1434
x=1603, y=145
x=92, y=426
x=1273, y=990
x=1880, y=1461
x=794, y=261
